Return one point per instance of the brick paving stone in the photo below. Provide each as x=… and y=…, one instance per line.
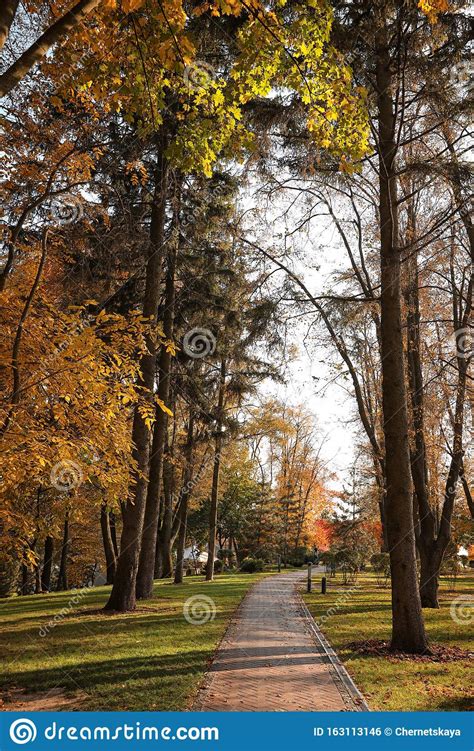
x=269, y=660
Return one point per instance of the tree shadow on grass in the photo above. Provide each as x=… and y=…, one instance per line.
x=356, y=608
x=456, y=704
x=40, y=605
x=114, y=677
x=163, y=590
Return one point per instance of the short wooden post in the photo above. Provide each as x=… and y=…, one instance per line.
x=309, y=578
x=323, y=585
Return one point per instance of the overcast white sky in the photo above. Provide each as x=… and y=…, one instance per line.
x=310, y=377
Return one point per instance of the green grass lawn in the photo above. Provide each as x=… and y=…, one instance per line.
x=387, y=683
x=152, y=659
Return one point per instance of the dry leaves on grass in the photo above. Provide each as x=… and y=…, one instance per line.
x=438, y=652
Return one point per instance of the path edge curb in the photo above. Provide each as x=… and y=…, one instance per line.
x=356, y=695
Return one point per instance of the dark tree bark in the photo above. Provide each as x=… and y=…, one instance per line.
x=233, y=542
x=408, y=631
x=467, y=491
x=165, y=537
x=47, y=564
x=158, y=558
x=34, y=544
x=9, y=570
x=24, y=584
x=109, y=552
x=425, y=523
x=123, y=595
x=37, y=579
x=211, y=549
x=152, y=512
x=62, y=582
x=184, y=500
x=113, y=532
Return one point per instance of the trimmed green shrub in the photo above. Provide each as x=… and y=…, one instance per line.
x=251, y=565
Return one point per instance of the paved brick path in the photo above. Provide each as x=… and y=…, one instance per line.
x=269, y=660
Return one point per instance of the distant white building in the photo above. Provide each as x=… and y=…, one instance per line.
x=195, y=559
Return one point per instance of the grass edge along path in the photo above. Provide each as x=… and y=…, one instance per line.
x=355, y=613
x=152, y=659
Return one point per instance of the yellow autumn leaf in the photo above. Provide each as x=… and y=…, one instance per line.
x=128, y=6
x=163, y=406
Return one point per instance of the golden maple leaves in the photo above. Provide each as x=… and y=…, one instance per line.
x=80, y=375
x=138, y=68
x=433, y=8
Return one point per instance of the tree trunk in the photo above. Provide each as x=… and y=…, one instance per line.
x=123, y=595
x=37, y=579
x=233, y=542
x=62, y=582
x=430, y=562
x=37, y=51
x=467, y=491
x=167, y=559
x=408, y=631
x=24, y=585
x=9, y=570
x=181, y=545
x=183, y=506
x=425, y=521
x=166, y=554
x=150, y=540
x=158, y=561
x=165, y=538
x=113, y=532
x=211, y=551
x=383, y=522
x=47, y=564
x=109, y=552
